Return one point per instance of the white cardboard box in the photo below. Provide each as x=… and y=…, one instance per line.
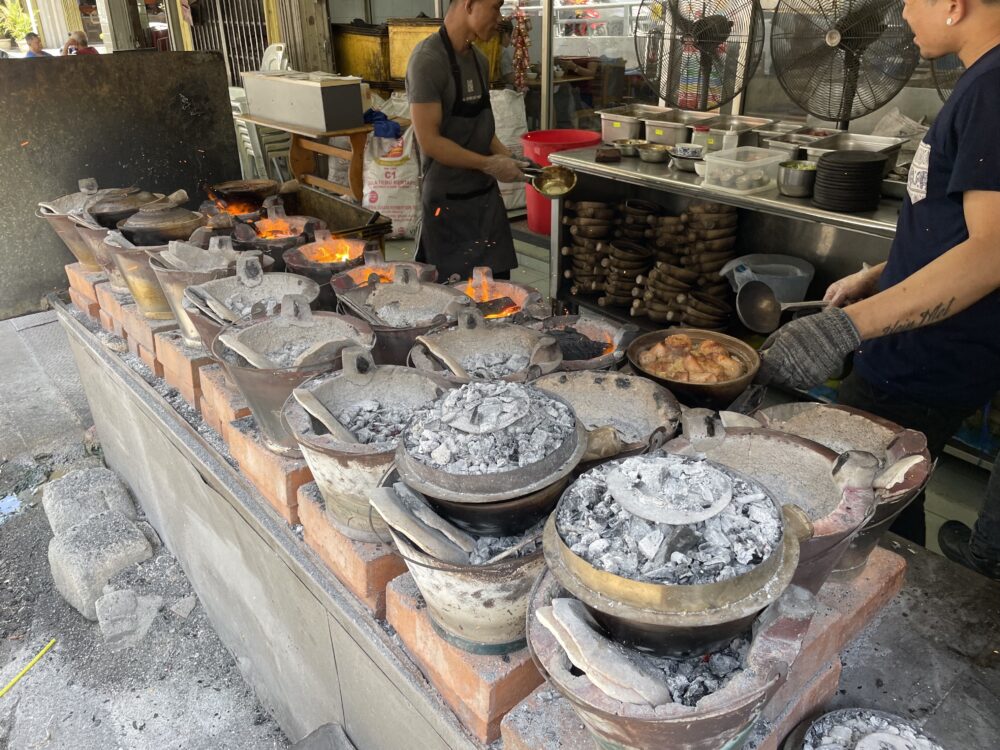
x=317, y=101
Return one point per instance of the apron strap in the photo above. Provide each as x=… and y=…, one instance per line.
x=456, y=74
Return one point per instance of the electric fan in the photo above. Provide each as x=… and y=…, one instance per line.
x=699, y=54
x=946, y=71
x=841, y=59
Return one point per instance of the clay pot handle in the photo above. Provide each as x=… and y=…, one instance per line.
x=358, y=364
x=249, y=270
x=408, y=278
x=797, y=522
x=295, y=310
x=322, y=235
x=469, y=319
x=88, y=185
x=602, y=442
x=177, y=198
x=451, y=363
x=546, y=347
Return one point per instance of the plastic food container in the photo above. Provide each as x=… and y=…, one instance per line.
x=619, y=123
x=743, y=170
x=673, y=127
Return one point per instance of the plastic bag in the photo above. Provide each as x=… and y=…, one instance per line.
x=511, y=124
x=392, y=182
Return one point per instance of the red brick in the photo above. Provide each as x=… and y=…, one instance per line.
x=807, y=703
x=148, y=358
x=84, y=303
x=107, y=322
x=143, y=330
x=364, y=568
x=112, y=302
x=480, y=689
x=181, y=363
x=193, y=396
x=84, y=281
x=222, y=395
x=276, y=477
x=209, y=416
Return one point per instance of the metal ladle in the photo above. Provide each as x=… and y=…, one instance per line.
x=552, y=181
x=760, y=311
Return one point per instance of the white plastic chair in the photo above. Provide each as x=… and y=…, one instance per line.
x=275, y=58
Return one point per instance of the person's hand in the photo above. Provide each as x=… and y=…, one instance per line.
x=853, y=288
x=808, y=350
x=505, y=169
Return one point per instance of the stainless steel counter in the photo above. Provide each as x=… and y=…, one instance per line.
x=879, y=223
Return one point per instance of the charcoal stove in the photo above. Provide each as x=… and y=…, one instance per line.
x=681, y=606
x=906, y=463
x=324, y=258
x=266, y=390
x=66, y=213
x=347, y=472
x=276, y=233
x=479, y=350
x=241, y=198
x=834, y=490
x=861, y=729
x=621, y=412
x=579, y=338
x=502, y=299
x=719, y=720
x=378, y=270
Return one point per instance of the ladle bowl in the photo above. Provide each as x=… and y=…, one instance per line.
x=759, y=309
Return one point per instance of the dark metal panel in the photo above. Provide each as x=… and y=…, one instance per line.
x=161, y=120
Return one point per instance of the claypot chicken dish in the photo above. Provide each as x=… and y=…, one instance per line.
x=678, y=358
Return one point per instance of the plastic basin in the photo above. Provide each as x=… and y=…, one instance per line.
x=537, y=147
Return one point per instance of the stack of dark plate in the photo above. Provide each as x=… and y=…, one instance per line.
x=849, y=181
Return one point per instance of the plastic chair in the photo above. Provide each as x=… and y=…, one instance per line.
x=275, y=58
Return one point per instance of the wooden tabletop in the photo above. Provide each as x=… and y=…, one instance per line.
x=537, y=82
x=312, y=132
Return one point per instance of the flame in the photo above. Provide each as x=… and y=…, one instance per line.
x=335, y=251
x=274, y=229
x=233, y=208
x=609, y=345
x=486, y=292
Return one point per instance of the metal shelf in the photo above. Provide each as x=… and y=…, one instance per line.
x=880, y=223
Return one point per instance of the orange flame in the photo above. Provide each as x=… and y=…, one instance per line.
x=336, y=251
x=238, y=208
x=486, y=292
x=274, y=229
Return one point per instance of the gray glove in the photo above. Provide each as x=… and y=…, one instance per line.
x=505, y=169
x=807, y=351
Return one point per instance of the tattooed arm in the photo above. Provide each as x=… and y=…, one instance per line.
x=954, y=281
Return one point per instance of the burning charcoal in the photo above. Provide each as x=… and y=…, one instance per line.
x=575, y=346
x=742, y=534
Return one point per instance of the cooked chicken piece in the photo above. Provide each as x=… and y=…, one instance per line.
x=677, y=358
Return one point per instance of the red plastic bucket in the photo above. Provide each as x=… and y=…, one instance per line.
x=537, y=147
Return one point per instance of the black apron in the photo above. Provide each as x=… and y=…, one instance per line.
x=464, y=220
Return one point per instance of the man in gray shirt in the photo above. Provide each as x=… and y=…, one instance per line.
x=464, y=221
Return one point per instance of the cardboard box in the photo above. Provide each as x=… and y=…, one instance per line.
x=314, y=101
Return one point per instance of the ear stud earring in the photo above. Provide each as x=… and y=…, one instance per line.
x=950, y=21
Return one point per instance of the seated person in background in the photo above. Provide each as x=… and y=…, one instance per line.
x=77, y=44
x=34, y=43
x=506, y=28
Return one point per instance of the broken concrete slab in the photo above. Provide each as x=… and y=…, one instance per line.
x=325, y=737
x=82, y=494
x=83, y=558
x=125, y=617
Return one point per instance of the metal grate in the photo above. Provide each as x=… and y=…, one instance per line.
x=236, y=28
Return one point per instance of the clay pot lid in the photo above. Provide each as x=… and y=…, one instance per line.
x=163, y=213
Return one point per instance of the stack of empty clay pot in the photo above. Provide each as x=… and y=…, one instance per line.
x=650, y=619
x=591, y=226
x=684, y=287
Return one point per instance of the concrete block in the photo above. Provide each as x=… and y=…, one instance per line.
x=82, y=494
x=86, y=556
x=84, y=282
x=125, y=617
x=809, y=702
x=184, y=607
x=277, y=478
x=85, y=304
x=479, y=689
x=222, y=395
x=142, y=329
x=181, y=363
x=544, y=721
x=365, y=569
x=326, y=737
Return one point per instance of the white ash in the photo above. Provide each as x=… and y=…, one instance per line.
x=375, y=423
x=517, y=426
x=491, y=365
x=396, y=315
x=742, y=535
x=627, y=430
x=286, y=354
x=838, y=430
x=488, y=547
x=241, y=303
x=691, y=679
x=843, y=730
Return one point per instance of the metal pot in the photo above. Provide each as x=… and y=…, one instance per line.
x=347, y=472
x=162, y=220
x=133, y=263
x=711, y=395
x=173, y=282
x=254, y=191
x=66, y=228
x=796, y=178
x=111, y=209
x=382, y=270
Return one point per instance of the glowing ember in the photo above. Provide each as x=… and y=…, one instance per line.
x=233, y=208
x=274, y=229
x=334, y=251
x=485, y=292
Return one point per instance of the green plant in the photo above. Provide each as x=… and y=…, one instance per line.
x=15, y=21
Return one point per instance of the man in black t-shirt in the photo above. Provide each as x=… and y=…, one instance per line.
x=926, y=324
